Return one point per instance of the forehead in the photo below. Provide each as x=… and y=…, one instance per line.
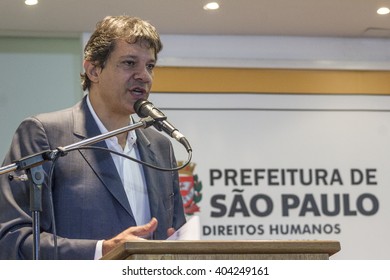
x=123, y=48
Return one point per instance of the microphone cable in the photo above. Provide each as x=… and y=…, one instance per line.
x=137, y=160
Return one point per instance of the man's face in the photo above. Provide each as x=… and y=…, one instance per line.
x=126, y=77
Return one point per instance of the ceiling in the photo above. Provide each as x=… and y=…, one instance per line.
x=323, y=18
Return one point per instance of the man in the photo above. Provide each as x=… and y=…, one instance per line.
x=100, y=200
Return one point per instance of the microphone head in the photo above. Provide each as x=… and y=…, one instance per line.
x=145, y=108
x=139, y=106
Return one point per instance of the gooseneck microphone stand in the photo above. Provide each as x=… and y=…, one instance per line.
x=33, y=166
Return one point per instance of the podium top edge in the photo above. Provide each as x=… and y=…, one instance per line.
x=328, y=247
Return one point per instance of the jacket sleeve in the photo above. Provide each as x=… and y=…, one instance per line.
x=16, y=234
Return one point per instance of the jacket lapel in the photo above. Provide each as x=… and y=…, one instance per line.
x=100, y=161
x=151, y=178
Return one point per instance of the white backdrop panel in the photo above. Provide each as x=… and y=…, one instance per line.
x=290, y=166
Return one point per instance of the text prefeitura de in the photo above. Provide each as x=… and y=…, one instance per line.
x=292, y=177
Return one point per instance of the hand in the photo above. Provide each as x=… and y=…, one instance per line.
x=132, y=233
x=170, y=231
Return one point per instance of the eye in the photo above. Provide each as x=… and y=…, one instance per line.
x=150, y=66
x=129, y=63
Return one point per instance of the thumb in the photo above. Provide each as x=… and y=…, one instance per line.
x=146, y=228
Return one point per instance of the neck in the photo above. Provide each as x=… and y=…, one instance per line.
x=110, y=118
x=112, y=123
x=122, y=138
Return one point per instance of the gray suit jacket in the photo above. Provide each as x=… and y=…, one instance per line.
x=89, y=200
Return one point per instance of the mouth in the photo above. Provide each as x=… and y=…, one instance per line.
x=138, y=91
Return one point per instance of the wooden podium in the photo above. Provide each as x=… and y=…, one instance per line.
x=224, y=250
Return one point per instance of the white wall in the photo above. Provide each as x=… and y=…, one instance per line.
x=36, y=75
x=276, y=52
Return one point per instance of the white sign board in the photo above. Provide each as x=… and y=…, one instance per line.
x=289, y=167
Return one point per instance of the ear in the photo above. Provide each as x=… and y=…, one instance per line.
x=91, y=70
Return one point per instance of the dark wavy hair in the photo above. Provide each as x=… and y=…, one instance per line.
x=103, y=40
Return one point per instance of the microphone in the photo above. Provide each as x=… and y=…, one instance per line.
x=145, y=108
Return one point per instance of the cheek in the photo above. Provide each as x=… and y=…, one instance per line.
x=151, y=76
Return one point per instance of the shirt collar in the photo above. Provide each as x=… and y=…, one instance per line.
x=131, y=136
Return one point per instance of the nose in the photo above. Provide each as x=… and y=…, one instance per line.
x=143, y=74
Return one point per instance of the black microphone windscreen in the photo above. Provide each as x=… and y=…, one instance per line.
x=138, y=108
x=145, y=108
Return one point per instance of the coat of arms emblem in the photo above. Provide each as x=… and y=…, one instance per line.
x=190, y=188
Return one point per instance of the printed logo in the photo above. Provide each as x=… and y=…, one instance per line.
x=190, y=188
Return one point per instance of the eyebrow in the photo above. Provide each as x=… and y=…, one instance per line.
x=135, y=57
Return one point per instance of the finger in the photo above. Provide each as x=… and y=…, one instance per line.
x=146, y=228
x=170, y=231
